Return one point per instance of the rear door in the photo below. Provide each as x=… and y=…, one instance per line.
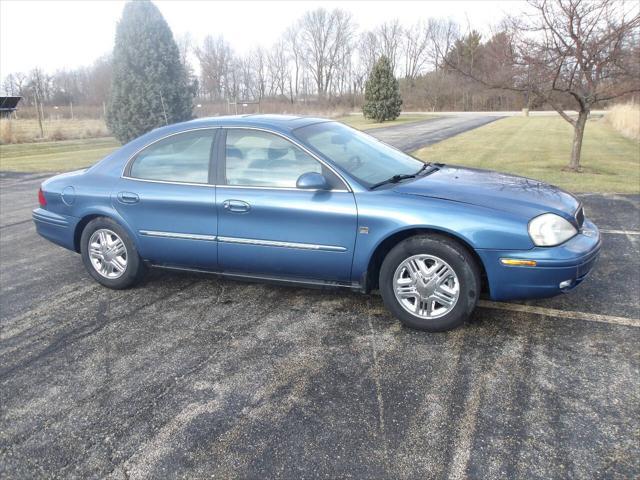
x=266, y=225
x=166, y=195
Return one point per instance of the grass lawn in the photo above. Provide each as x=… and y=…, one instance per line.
x=539, y=147
x=61, y=156
x=65, y=155
x=25, y=130
x=361, y=123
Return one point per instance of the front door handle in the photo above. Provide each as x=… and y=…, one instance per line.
x=128, y=197
x=236, y=206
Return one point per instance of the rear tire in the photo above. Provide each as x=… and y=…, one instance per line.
x=430, y=282
x=109, y=254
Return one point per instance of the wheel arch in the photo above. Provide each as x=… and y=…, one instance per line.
x=91, y=215
x=370, y=280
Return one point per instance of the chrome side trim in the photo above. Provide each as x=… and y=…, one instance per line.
x=293, y=189
x=243, y=241
x=271, y=243
x=209, y=185
x=184, y=236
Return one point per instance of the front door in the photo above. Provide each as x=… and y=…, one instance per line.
x=267, y=226
x=167, y=197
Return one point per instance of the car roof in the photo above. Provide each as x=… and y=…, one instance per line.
x=284, y=123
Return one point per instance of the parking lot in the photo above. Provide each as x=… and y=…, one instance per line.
x=192, y=376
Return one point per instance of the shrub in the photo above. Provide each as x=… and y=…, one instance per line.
x=149, y=86
x=625, y=118
x=382, y=100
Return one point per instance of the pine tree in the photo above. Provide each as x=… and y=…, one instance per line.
x=149, y=87
x=382, y=99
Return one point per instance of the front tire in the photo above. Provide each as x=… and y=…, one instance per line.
x=430, y=282
x=109, y=254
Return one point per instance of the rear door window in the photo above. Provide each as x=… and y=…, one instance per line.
x=184, y=157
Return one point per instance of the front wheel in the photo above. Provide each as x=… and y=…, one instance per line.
x=109, y=255
x=430, y=282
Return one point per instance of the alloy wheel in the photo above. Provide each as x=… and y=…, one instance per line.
x=426, y=286
x=108, y=253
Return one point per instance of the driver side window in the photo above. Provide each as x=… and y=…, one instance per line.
x=261, y=159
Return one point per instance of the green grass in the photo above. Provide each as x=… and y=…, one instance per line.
x=361, y=123
x=540, y=147
x=536, y=147
x=58, y=156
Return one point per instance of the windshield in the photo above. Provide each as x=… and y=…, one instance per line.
x=362, y=156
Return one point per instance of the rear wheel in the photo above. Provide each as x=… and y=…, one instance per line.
x=430, y=282
x=109, y=255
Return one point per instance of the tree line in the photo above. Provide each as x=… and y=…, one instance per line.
x=569, y=55
x=321, y=59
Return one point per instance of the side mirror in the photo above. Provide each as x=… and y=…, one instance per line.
x=312, y=181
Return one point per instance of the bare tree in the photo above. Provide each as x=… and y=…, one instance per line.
x=10, y=85
x=215, y=59
x=580, y=50
x=568, y=52
x=416, y=49
x=442, y=34
x=323, y=34
x=292, y=39
x=390, y=35
x=258, y=61
x=278, y=63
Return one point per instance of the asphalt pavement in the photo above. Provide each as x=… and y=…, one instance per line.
x=191, y=376
x=412, y=136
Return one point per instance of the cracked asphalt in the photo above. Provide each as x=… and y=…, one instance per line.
x=191, y=376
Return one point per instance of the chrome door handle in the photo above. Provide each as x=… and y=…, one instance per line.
x=236, y=206
x=128, y=197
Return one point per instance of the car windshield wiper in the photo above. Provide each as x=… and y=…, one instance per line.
x=398, y=178
x=394, y=179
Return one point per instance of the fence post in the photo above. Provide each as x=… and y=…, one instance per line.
x=35, y=98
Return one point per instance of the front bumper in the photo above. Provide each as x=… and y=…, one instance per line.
x=566, y=264
x=59, y=229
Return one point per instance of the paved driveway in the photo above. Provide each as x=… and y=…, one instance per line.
x=196, y=377
x=412, y=136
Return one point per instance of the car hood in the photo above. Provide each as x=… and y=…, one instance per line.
x=509, y=193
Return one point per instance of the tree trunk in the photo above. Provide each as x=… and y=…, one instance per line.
x=578, y=134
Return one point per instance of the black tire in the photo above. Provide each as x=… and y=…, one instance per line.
x=458, y=258
x=135, y=268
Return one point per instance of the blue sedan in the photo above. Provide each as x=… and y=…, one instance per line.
x=313, y=202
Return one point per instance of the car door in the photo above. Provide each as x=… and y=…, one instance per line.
x=167, y=197
x=267, y=226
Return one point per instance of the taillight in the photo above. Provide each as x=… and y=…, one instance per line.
x=41, y=200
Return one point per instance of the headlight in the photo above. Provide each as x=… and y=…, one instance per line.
x=550, y=229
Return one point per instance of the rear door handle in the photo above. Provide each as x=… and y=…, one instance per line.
x=236, y=206
x=128, y=197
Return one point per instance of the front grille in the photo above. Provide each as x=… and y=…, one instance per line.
x=580, y=216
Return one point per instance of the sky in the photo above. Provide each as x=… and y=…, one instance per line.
x=68, y=34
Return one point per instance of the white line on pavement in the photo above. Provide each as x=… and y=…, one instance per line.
x=552, y=312
x=620, y=232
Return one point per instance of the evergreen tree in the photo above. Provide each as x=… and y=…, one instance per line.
x=149, y=87
x=382, y=99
